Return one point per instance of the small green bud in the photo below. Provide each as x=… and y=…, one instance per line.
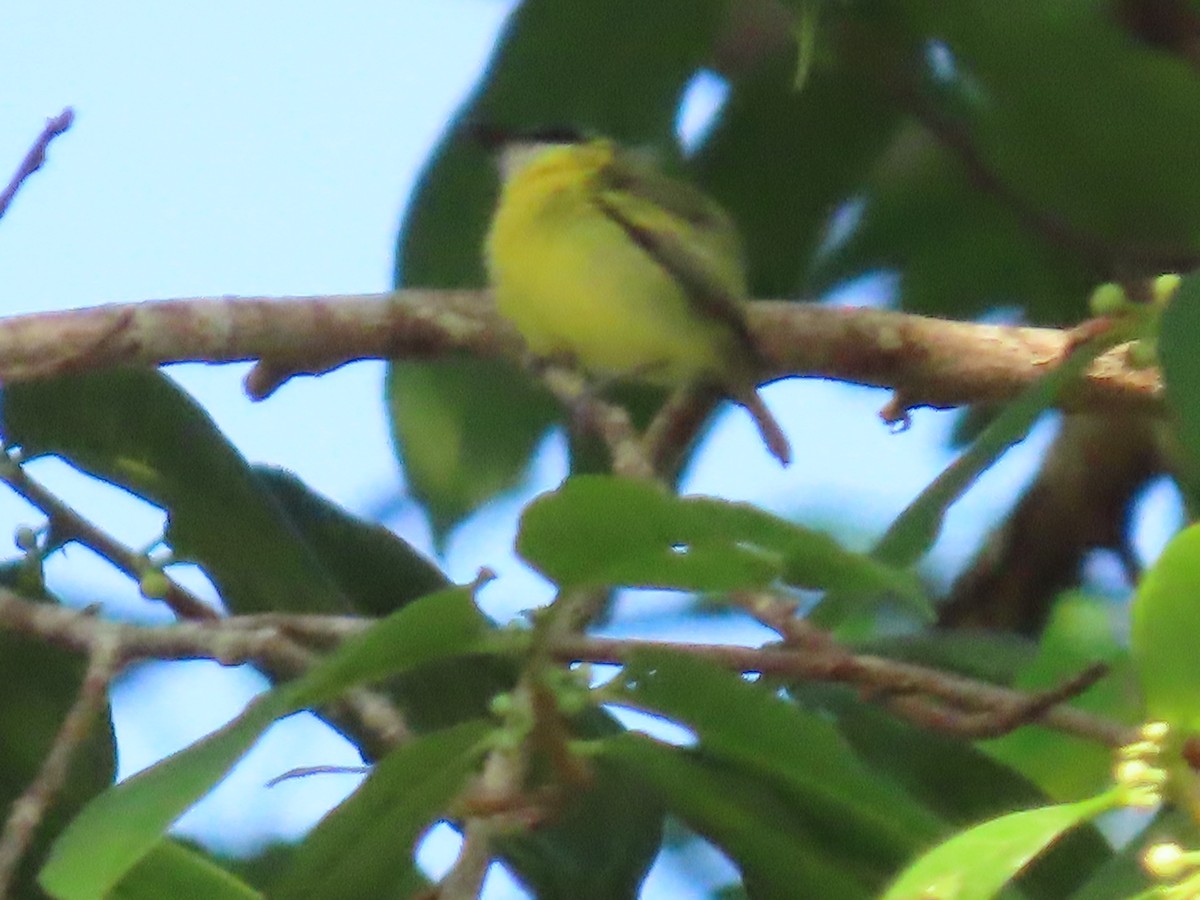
x=1165, y=287
x=26, y=539
x=154, y=585
x=1143, y=353
x=1108, y=299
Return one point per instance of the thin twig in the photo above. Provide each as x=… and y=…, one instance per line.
x=607, y=420
x=875, y=675
x=251, y=639
x=31, y=807
x=68, y=525
x=36, y=156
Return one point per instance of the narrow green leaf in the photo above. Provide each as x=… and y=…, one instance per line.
x=173, y=870
x=1163, y=636
x=977, y=863
x=91, y=855
x=917, y=527
x=364, y=847
x=866, y=814
x=777, y=855
x=597, y=530
x=138, y=429
x=1179, y=335
x=376, y=570
x=122, y=825
x=435, y=627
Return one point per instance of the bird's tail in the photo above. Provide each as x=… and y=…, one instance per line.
x=772, y=434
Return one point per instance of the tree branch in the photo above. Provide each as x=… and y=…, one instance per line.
x=36, y=156
x=255, y=638
x=929, y=362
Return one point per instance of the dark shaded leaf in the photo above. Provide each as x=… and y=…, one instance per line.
x=742, y=815
x=376, y=570
x=41, y=682
x=782, y=161
x=138, y=429
x=173, y=870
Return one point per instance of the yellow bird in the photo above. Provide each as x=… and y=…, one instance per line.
x=594, y=254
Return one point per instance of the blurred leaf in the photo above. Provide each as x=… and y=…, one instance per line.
x=742, y=815
x=957, y=250
x=1179, y=335
x=376, y=570
x=602, y=531
x=618, y=67
x=956, y=781
x=977, y=863
x=781, y=162
x=365, y=846
x=173, y=870
x=1163, y=635
x=138, y=429
x=91, y=856
x=466, y=431
x=1081, y=632
x=1046, y=78
x=41, y=682
x=862, y=814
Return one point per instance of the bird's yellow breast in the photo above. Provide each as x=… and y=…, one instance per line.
x=572, y=281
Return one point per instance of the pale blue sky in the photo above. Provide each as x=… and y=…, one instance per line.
x=269, y=148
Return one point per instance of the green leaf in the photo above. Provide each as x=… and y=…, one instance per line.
x=41, y=682
x=600, y=531
x=1039, y=82
x=1163, y=635
x=138, y=429
x=173, y=870
x=977, y=863
x=91, y=855
x=917, y=527
x=1179, y=335
x=465, y=431
x=780, y=162
x=957, y=250
x=777, y=855
x=376, y=570
x=954, y=780
x=364, y=847
x=1080, y=633
x=865, y=815
x=618, y=67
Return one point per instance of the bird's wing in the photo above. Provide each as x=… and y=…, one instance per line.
x=683, y=231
